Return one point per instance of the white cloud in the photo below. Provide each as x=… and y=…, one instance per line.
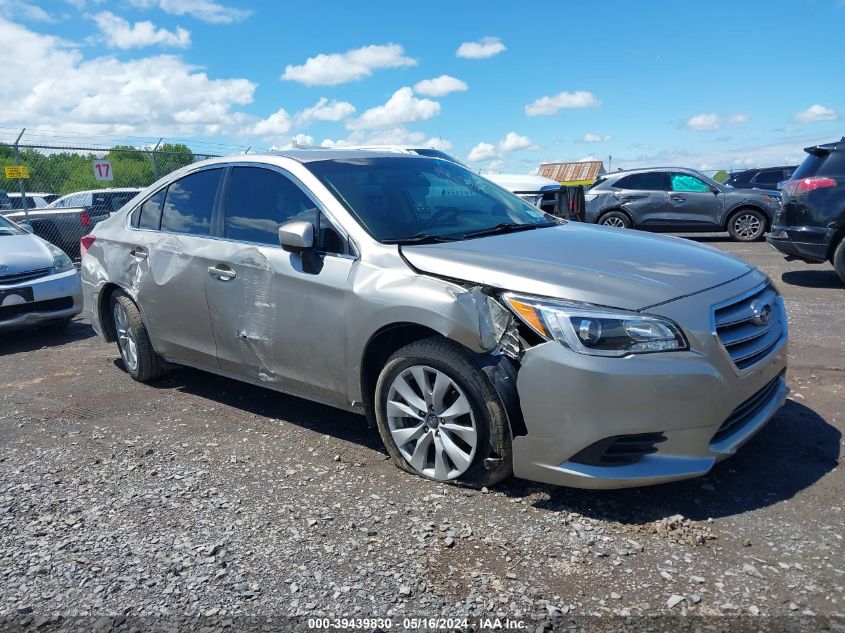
x=24, y=10
x=403, y=107
x=353, y=65
x=275, y=125
x=325, y=110
x=440, y=86
x=589, y=137
x=57, y=87
x=299, y=140
x=205, y=10
x=482, y=152
x=549, y=106
x=482, y=49
x=816, y=113
x=393, y=136
x=118, y=33
x=513, y=142
x=710, y=122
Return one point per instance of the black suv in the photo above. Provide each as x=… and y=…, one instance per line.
x=811, y=224
x=767, y=178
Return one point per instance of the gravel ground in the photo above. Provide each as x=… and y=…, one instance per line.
x=208, y=500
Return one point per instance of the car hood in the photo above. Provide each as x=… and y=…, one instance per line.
x=599, y=265
x=23, y=253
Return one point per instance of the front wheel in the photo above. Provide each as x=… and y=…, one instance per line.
x=440, y=417
x=747, y=225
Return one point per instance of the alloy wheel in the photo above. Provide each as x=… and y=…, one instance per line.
x=747, y=226
x=614, y=222
x=432, y=423
x=125, y=338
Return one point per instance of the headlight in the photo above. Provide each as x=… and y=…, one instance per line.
x=589, y=329
x=61, y=262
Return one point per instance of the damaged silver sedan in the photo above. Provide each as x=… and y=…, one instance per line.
x=483, y=337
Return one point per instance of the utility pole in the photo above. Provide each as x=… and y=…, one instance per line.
x=153, y=156
x=20, y=180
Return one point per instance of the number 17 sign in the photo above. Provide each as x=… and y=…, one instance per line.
x=102, y=170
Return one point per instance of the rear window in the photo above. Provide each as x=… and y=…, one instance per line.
x=598, y=182
x=826, y=164
x=769, y=178
x=649, y=181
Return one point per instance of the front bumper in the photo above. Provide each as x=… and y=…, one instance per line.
x=808, y=243
x=570, y=401
x=55, y=297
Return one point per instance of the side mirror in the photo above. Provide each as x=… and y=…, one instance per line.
x=715, y=191
x=26, y=227
x=296, y=236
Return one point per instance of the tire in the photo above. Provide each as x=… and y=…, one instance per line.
x=472, y=447
x=838, y=260
x=747, y=225
x=615, y=219
x=133, y=342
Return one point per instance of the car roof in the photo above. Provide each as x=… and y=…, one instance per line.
x=108, y=190
x=625, y=172
x=313, y=155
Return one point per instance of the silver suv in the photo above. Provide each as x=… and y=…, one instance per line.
x=482, y=336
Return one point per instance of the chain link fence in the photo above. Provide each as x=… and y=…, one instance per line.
x=62, y=191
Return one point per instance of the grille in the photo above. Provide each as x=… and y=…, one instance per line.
x=51, y=305
x=746, y=411
x=17, y=278
x=748, y=338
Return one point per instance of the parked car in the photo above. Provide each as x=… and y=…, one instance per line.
x=70, y=217
x=33, y=201
x=5, y=201
x=39, y=285
x=811, y=225
x=97, y=199
x=481, y=335
x=766, y=178
x=682, y=200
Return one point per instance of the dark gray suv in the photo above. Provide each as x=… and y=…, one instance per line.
x=682, y=200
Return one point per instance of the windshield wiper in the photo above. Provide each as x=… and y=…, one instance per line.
x=420, y=238
x=507, y=227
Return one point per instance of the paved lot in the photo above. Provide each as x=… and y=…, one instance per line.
x=202, y=496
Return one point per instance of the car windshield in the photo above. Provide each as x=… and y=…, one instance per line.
x=412, y=199
x=7, y=227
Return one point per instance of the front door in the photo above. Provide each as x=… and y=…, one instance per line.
x=693, y=204
x=278, y=317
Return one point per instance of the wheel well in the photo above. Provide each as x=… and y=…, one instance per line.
x=618, y=210
x=379, y=348
x=104, y=311
x=746, y=207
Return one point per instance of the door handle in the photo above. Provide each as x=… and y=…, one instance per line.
x=678, y=198
x=223, y=274
x=139, y=254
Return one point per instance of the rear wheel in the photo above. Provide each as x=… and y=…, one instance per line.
x=839, y=260
x=139, y=358
x=616, y=219
x=440, y=417
x=747, y=225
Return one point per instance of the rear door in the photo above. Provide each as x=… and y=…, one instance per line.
x=644, y=197
x=169, y=256
x=694, y=206
x=278, y=316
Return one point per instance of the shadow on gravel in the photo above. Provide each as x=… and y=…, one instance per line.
x=705, y=238
x=812, y=278
x=319, y=418
x=32, y=339
x=796, y=449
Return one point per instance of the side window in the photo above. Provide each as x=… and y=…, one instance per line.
x=149, y=213
x=259, y=201
x=649, y=181
x=189, y=203
x=685, y=182
x=769, y=178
